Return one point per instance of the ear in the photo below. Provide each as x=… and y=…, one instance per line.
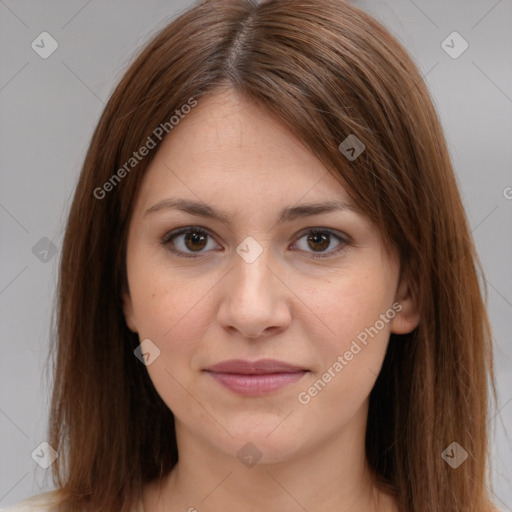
x=407, y=315
x=128, y=311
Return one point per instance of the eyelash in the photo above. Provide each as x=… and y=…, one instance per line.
x=169, y=237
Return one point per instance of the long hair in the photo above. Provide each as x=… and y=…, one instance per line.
x=326, y=70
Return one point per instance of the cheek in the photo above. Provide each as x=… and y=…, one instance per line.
x=161, y=296
x=357, y=312
x=348, y=304
x=172, y=310
x=168, y=317
x=173, y=315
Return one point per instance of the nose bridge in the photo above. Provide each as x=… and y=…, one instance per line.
x=252, y=262
x=251, y=302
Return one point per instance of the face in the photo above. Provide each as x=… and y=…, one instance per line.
x=314, y=290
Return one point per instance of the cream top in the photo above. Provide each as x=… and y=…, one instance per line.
x=42, y=503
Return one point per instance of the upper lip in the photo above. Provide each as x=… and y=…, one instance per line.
x=262, y=366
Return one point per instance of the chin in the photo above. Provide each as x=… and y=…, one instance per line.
x=258, y=444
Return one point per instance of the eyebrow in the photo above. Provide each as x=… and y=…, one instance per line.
x=286, y=215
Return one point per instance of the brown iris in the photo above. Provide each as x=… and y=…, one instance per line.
x=321, y=240
x=193, y=238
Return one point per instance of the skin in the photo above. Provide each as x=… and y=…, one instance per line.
x=233, y=156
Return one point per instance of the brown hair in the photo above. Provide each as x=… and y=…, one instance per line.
x=326, y=70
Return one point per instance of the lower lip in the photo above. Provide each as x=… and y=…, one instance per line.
x=256, y=385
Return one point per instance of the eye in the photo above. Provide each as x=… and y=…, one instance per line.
x=195, y=239
x=184, y=242
x=320, y=239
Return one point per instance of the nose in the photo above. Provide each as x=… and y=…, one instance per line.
x=255, y=298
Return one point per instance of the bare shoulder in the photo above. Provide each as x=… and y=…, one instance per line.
x=39, y=503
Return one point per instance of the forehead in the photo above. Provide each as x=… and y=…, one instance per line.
x=230, y=148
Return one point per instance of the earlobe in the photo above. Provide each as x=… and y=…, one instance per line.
x=128, y=311
x=407, y=315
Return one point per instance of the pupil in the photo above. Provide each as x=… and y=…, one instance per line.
x=194, y=238
x=319, y=238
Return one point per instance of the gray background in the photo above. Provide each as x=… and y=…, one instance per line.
x=50, y=107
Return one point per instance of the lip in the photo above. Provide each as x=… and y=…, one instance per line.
x=255, y=378
x=262, y=366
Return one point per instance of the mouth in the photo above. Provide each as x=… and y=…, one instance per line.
x=255, y=378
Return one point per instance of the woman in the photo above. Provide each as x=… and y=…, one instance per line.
x=268, y=294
